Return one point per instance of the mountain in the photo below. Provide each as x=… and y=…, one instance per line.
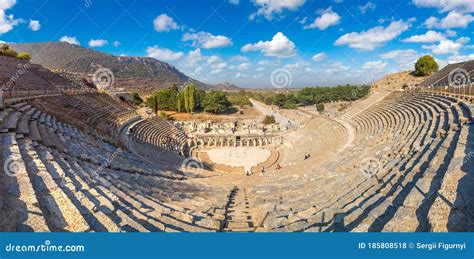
x=140, y=73
x=226, y=86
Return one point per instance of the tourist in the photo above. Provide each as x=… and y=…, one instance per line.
x=278, y=167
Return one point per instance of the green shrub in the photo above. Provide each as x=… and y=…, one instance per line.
x=426, y=65
x=136, y=99
x=320, y=107
x=9, y=53
x=269, y=119
x=24, y=55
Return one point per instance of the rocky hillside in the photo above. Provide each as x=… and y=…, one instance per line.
x=396, y=81
x=226, y=86
x=141, y=73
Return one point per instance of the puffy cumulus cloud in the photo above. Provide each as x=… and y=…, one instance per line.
x=328, y=18
x=336, y=68
x=447, y=46
x=364, y=8
x=319, y=57
x=34, y=25
x=206, y=40
x=404, y=58
x=454, y=19
x=239, y=58
x=428, y=37
x=244, y=66
x=97, y=43
x=194, y=57
x=164, y=23
x=373, y=38
x=375, y=65
x=447, y=5
x=216, y=63
x=7, y=22
x=268, y=8
x=460, y=58
x=163, y=54
x=298, y=66
x=69, y=39
x=280, y=46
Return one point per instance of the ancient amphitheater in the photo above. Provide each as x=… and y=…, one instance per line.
x=77, y=160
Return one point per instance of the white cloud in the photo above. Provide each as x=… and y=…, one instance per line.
x=163, y=54
x=328, y=18
x=428, y=37
x=404, y=58
x=268, y=8
x=374, y=65
x=319, y=57
x=280, y=46
x=447, y=5
x=239, y=58
x=373, y=38
x=298, y=66
x=164, y=23
x=7, y=22
x=454, y=19
x=213, y=59
x=193, y=57
x=116, y=43
x=97, y=43
x=336, y=68
x=447, y=46
x=216, y=71
x=368, y=6
x=34, y=25
x=70, y=40
x=450, y=33
x=234, y=1
x=244, y=66
x=207, y=40
x=460, y=58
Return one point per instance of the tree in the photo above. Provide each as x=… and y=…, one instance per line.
x=163, y=100
x=189, y=100
x=426, y=65
x=320, y=107
x=279, y=100
x=216, y=102
x=269, y=119
x=136, y=99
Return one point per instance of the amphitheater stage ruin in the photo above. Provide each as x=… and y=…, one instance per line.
x=239, y=159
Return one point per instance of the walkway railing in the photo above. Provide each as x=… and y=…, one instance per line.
x=459, y=84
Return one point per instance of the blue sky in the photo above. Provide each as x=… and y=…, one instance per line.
x=324, y=42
